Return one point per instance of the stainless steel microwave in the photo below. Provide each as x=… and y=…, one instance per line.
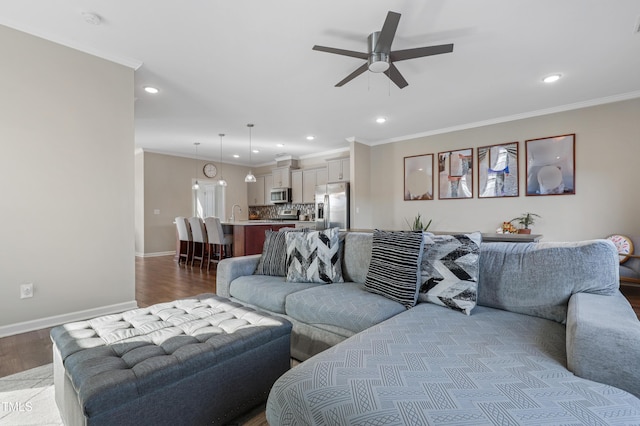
x=280, y=195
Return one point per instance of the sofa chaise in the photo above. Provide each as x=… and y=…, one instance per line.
x=548, y=339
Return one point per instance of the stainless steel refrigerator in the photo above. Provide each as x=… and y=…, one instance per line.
x=332, y=205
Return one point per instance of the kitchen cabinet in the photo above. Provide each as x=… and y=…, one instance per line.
x=297, y=189
x=255, y=192
x=249, y=239
x=338, y=170
x=310, y=179
x=268, y=185
x=281, y=177
x=259, y=192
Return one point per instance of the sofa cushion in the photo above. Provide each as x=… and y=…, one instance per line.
x=449, y=270
x=355, y=265
x=432, y=366
x=539, y=278
x=394, y=267
x=264, y=291
x=347, y=305
x=314, y=257
x=274, y=253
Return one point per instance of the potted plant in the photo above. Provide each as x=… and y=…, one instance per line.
x=525, y=220
x=417, y=224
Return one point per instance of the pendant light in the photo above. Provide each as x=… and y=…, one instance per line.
x=195, y=185
x=250, y=178
x=221, y=182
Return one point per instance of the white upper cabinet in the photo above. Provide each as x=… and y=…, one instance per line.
x=296, y=186
x=338, y=170
x=255, y=192
x=281, y=177
x=310, y=179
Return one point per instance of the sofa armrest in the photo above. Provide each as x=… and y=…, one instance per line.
x=231, y=268
x=603, y=340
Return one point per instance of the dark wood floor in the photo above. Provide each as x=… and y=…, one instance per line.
x=158, y=279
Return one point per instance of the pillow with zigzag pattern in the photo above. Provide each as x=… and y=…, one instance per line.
x=314, y=257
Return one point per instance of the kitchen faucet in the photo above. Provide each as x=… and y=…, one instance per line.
x=233, y=217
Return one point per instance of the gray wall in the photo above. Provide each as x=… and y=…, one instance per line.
x=66, y=179
x=166, y=181
x=606, y=199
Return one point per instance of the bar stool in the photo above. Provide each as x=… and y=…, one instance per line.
x=185, y=237
x=216, y=237
x=200, y=246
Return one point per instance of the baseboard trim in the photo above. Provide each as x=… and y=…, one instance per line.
x=38, y=324
x=157, y=254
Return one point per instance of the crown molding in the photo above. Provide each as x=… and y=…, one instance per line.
x=508, y=118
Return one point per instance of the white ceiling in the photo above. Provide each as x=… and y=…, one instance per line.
x=222, y=64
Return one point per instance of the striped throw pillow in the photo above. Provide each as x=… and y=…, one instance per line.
x=394, y=271
x=274, y=253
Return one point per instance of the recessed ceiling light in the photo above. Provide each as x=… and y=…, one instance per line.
x=381, y=120
x=151, y=89
x=552, y=78
x=280, y=145
x=310, y=137
x=236, y=156
x=255, y=151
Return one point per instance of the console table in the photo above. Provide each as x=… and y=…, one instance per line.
x=511, y=238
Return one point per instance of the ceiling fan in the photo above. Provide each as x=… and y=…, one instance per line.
x=380, y=58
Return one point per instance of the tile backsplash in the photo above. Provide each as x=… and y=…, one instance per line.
x=271, y=212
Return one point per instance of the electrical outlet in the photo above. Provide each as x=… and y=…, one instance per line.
x=26, y=290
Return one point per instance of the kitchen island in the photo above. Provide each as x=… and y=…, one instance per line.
x=249, y=235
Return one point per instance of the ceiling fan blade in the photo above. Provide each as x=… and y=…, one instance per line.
x=353, y=75
x=394, y=74
x=387, y=33
x=418, y=52
x=343, y=52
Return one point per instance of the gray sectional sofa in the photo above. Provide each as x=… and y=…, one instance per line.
x=551, y=341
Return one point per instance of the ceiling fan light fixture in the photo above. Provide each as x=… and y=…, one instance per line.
x=378, y=62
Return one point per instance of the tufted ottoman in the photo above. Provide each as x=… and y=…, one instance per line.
x=200, y=360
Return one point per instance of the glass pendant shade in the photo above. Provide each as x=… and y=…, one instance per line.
x=196, y=186
x=250, y=178
x=221, y=181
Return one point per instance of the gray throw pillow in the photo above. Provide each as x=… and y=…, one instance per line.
x=314, y=257
x=274, y=253
x=394, y=267
x=449, y=270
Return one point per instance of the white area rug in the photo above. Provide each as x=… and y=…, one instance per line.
x=27, y=398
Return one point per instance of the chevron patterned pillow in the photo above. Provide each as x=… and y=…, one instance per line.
x=314, y=257
x=449, y=270
x=394, y=268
